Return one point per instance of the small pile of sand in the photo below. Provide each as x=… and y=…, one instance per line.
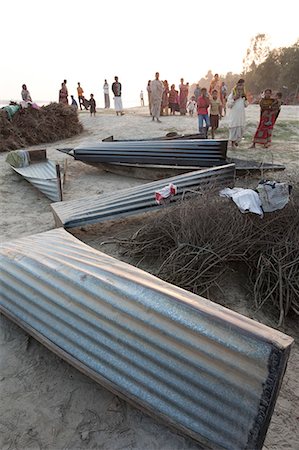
x=35, y=126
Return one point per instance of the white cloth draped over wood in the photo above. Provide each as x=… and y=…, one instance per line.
x=236, y=119
x=156, y=88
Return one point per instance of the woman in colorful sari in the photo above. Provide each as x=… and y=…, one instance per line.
x=263, y=134
x=184, y=90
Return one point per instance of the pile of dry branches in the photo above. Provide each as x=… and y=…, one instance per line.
x=35, y=126
x=196, y=241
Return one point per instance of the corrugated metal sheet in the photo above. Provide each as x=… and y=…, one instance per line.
x=166, y=137
x=197, y=152
x=206, y=370
x=43, y=176
x=136, y=200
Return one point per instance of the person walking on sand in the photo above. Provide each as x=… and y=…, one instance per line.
x=106, y=94
x=93, y=105
x=157, y=88
x=116, y=89
x=141, y=98
x=237, y=102
x=80, y=93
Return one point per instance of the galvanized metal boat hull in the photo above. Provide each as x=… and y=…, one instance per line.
x=45, y=176
x=136, y=200
x=208, y=371
x=167, y=137
x=187, y=152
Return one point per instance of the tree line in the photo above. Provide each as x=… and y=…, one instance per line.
x=277, y=69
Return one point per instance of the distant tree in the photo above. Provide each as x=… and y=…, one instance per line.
x=289, y=60
x=230, y=79
x=267, y=74
x=257, y=52
x=279, y=71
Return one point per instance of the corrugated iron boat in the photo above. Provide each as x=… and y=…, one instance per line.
x=207, y=371
x=44, y=174
x=175, y=152
x=138, y=199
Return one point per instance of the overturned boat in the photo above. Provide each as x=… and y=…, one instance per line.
x=156, y=158
x=169, y=136
x=138, y=199
x=206, y=370
x=175, y=152
x=44, y=174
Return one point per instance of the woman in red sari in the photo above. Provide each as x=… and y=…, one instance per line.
x=263, y=134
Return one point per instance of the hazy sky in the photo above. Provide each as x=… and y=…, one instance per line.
x=46, y=41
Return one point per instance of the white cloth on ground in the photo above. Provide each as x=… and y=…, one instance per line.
x=247, y=200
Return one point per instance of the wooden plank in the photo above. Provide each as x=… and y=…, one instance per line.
x=38, y=155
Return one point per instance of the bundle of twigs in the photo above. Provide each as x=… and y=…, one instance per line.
x=35, y=126
x=199, y=239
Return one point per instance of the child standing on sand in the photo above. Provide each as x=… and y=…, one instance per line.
x=93, y=105
x=215, y=111
x=191, y=106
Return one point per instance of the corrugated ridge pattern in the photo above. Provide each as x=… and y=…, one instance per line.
x=137, y=199
x=152, y=341
x=43, y=176
x=177, y=152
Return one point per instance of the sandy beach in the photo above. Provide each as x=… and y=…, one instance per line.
x=46, y=403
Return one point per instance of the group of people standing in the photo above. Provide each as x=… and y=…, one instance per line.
x=91, y=103
x=174, y=100
x=83, y=102
x=163, y=101
x=210, y=105
x=169, y=98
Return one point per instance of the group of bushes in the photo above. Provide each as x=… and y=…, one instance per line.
x=32, y=126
